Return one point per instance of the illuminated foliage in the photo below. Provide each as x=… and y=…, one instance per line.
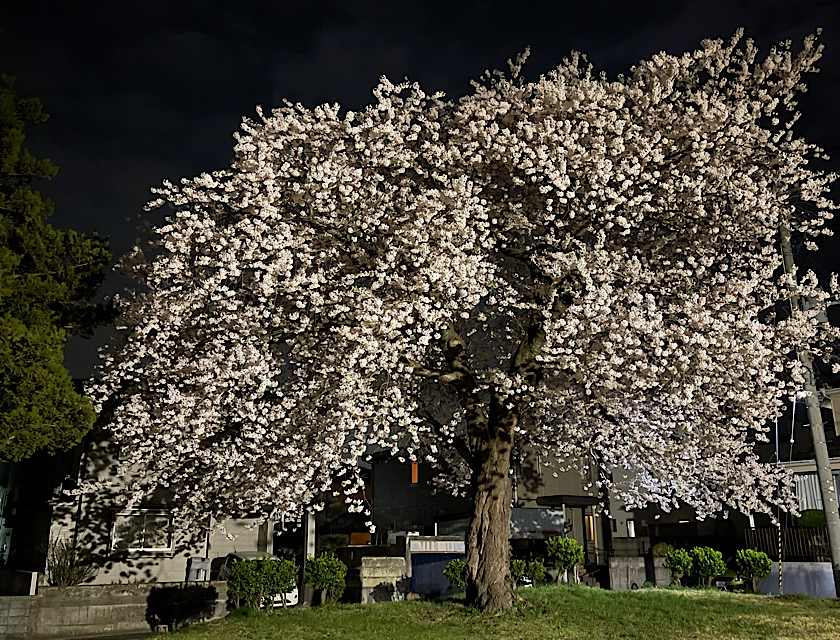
x=584, y=266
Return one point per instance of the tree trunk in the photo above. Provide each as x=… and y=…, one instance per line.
x=488, y=569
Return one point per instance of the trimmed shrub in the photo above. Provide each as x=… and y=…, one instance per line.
x=753, y=566
x=276, y=577
x=565, y=552
x=535, y=571
x=327, y=574
x=333, y=541
x=678, y=562
x=811, y=518
x=456, y=572
x=242, y=584
x=706, y=563
x=661, y=549
x=255, y=583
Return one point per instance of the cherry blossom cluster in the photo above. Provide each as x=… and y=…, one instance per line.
x=368, y=282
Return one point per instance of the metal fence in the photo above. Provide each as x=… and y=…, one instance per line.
x=806, y=543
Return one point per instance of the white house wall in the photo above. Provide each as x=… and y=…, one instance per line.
x=88, y=521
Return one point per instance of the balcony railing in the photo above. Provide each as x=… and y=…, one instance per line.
x=804, y=544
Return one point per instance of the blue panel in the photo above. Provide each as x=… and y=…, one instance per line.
x=427, y=577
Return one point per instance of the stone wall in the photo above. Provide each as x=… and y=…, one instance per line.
x=383, y=579
x=14, y=616
x=627, y=573
x=101, y=609
x=661, y=575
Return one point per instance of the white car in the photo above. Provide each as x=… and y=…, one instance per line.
x=291, y=597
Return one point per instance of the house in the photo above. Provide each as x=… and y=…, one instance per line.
x=805, y=553
x=545, y=504
x=142, y=544
x=134, y=545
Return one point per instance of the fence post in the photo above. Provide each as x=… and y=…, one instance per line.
x=780, y=558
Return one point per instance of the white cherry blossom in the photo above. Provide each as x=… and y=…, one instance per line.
x=582, y=266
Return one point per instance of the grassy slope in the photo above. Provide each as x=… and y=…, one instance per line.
x=558, y=613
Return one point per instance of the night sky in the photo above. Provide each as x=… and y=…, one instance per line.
x=145, y=91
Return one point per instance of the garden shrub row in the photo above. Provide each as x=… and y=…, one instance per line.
x=565, y=552
x=255, y=583
x=703, y=564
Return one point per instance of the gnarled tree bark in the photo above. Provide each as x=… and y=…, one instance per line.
x=488, y=539
x=489, y=445
x=488, y=583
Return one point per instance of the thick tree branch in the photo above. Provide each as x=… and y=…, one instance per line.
x=434, y=374
x=458, y=442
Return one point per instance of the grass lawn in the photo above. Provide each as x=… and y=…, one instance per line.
x=555, y=612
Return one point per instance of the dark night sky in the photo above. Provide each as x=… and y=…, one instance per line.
x=144, y=91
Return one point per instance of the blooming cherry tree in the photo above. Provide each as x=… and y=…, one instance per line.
x=584, y=266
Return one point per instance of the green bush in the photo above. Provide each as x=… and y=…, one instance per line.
x=242, y=584
x=661, y=549
x=517, y=570
x=678, y=562
x=276, y=577
x=326, y=573
x=706, y=563
x=66, y=567
x=811, y=518
x=255, y=583
x=333, y=541
x=536, y=571
x=565, y=552
x=753, y=566
x=456, y=572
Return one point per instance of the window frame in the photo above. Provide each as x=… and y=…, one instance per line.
x=130, y=513
x=806, y=487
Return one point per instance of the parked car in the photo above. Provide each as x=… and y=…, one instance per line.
x=220, y=571
x=729, y=580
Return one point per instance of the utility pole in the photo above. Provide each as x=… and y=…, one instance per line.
x=827, y=489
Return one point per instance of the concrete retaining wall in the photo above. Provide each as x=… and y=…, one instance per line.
x=808, y=578
x=661, y=576
x=383, y=579
x=627, y=573
x=101, y=609
x=14, y=616
x=632, y=573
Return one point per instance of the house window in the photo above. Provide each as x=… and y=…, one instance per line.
x=808, y=493
x=589, y=525
x=142, y=530
x=415, y=472
x=631, y=528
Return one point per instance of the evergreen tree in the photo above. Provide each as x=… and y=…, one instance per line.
x=47, y=278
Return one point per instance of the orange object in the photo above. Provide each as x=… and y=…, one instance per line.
x=359, y=537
